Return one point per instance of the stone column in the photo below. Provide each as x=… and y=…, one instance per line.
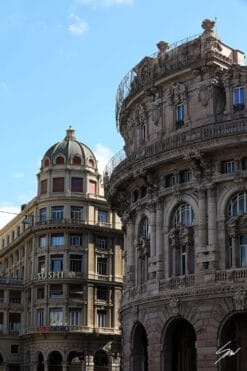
x=159, y=245
x=202, y=229
x=153, y=232
x=212, y=228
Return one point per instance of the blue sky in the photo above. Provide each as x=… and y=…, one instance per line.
x=62, y=61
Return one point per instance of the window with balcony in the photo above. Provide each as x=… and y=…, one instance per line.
x=101, y=243
x=76, y=213
x=57, y=212
x=76, y=184
x=75, y=240
x=238, y=99
x=179, y=115
x=102, y=266
x=56, y=316
x=75, y=317
x=101, y=318
x=42, y=241
x=56, y=263
x=43, y=187
x=42, y=214
x=228, y=166
x=184, y=215
x=40, y=317
x=57, y=239
x=41, y=264
x=102, y=293
x=75, y=263
x=56, y=291
x=58, y=184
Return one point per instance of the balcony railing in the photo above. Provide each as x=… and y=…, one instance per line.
x=231, y=275
x=11, y=281
x=177, y=140
x=67, y=328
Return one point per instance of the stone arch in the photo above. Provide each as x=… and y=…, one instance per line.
x=139, y=348
x=232, y=334
x=55, y=359
x=39, y=361
x=178, y=346
x=224, y=198
x=101, y=360
x=173, y=203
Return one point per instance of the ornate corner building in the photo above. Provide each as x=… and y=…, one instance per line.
x=180, y=187
x=61, y=270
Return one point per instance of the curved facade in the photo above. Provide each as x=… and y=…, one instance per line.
x=181, y=192
x=61, y=270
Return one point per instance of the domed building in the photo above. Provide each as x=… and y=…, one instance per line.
x=180, y=187
x=61, y=270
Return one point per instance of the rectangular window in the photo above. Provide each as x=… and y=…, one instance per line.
x=42, y=241
x=75, y=291
x=101, y=243
x=102, y=293
x=75, y=263
x=14, y=348
x=170, y=180
x=56, y=316
x=102, y=266
x=40, y=293
x=185, y=176
x=57, y=239
x=41, y=264
x=75, y=240
x=56, y=291
x=101, y=318
x=228, y=166
x=238, y=99
x=243, y=251
x=74, y=317
x=40, y=317
x=76, y=214
x=58, y=184
x=92, y=187
x=57, y=212
x=179, y=116
x=14, y=322
x=76, y=184
x=102, y=216
x=15, y=297
x=56, y=263
x=142, y=134
x=43, y=187
x=42, y=214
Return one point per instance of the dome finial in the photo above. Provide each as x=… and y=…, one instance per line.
x=70, y=134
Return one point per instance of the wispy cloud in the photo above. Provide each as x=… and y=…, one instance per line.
x=77, y=26
x=103, y=154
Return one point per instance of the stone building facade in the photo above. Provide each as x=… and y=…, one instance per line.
x=61, y=270
x=180, y=187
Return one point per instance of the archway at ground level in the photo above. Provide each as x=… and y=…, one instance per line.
x=1, y=362
x=234, y=332
x=139, y=352
x=179, y=347
x=101, y=361
x=55, y=361
x=40, y=360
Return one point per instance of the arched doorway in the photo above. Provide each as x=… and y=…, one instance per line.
x=179, y=347
x=235, y=332
x=101, y=361
x=55, y=361
x=75, y=361
x=1, y=362
x=139, y=349
x=40, y=361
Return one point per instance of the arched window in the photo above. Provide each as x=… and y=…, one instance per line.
x=76, y=160
x=90, y=163
x=59, y=160
x=144, y=229
x=47, y=162
x=237, y=205
x=184, y=215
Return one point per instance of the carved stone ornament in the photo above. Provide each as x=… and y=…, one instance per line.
x=203, y=95
x=163, y=46
x=239, y=300
x=208, y=25
x=174, y=305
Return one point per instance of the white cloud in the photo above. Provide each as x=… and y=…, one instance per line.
x=103, y=154
x=7, y=213
x=78, y=26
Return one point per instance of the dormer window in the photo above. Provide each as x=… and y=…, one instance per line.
x=59, y=160
x=90, y=163
x=76, y=160
x=47, y=162
x=179, y=116
x=238, y=99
